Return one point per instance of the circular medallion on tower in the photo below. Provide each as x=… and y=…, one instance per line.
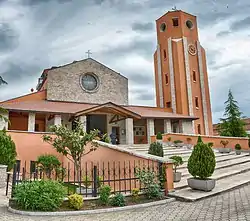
x=163, y=27
x=189, y=24
x=89, y=82
x=192, y=49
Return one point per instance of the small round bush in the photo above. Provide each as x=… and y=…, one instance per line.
x=75, y=201
x=201, y=163
x=178, y=141
x=135, y=194
x=210, y=144
x=159, y=136
x=156, y=149
x=118, y=200
x=177, y=161
x=105, y=192
x=39, y=195
x=237, y=147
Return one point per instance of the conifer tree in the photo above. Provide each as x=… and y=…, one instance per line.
x=232, y=124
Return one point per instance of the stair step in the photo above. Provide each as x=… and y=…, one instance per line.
x=218, y=174
x=221, y=185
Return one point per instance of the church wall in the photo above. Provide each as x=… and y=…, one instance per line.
x=64, y=84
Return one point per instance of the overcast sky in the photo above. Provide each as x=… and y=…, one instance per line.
x=37, y=34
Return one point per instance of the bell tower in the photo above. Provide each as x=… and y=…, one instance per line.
x=180, y=69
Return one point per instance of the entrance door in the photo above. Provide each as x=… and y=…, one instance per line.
x=116, y=131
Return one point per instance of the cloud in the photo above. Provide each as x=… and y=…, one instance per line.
x=142, y=27
x=240, y=24
x=8, y=37
x=222, y=33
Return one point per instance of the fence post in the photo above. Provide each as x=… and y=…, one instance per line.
x=8, y=180
x=13, y=180
x=95, y=181
x=169, y=183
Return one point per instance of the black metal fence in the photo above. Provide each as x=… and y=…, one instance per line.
x=120, y=176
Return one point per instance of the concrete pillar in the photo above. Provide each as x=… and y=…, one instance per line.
x=58, y=120
x=83, y=120
x=167, y=126
x=3, y=176
x=31, y=122
x=129, y=131
x=150, y=129
x=4, y=122
x=187, y=127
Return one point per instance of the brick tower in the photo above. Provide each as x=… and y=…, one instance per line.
x=180, y=69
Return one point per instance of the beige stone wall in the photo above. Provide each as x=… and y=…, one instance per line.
x=3, y=176
x=64, y=84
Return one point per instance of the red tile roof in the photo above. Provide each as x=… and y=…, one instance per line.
x=72, y=108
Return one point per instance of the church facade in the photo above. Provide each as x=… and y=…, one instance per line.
x=97, y=96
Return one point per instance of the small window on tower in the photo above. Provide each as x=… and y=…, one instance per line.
x=166, y=78
x=196, y=102
x=194, y=76
x=175, y=22
x=165, y=54
x=199, y=129
x=168, y=104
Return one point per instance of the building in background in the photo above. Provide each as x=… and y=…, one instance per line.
x=181, y=78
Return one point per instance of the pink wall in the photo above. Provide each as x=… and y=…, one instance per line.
x=206, y=139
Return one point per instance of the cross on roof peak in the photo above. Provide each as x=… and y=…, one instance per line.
x=88, y=53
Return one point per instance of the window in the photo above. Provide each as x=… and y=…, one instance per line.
x=139, y=131
x=194, y=76
x=165, y=54
x=163, y=27
x=36, y=127
x=168, y=104
x=166, y=78
x=199, y=128
x=196, y=102
x=32, y=166
x=175, y=22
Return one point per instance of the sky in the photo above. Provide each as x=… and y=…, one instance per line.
x=39, y=34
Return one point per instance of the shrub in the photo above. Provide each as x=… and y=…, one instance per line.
x=201, y=163
x=118, y=200
x=189, y=139
x=156, y=149
x=162, y=176
x=39, y=195
x=75, y=201
x=7, y=150
x=177, y=161
x=159, y=136
x=224, y=143
x=178, y=141
x=147, y=178
x=135, y=194
x=60, y=173
x=47, y=163
x=199, y=140
x=210, y=144
x=169, y=139
x=105, y=192
x=86, y=181
x=237, y=146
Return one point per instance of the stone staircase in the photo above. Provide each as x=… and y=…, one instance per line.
x=231, y=172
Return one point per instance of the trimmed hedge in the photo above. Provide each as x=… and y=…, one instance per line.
x=156, y=149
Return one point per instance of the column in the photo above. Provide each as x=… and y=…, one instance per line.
x=4, y=121
x=150, y=129
x=167, y=126
x=83, y=120
x=129, y=131
x=187, y=127
x=31, y=122
x=58, y=120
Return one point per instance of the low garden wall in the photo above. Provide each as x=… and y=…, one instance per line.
x=243, y=141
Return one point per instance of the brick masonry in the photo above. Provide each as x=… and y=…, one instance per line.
x=3, y=176
x=64, y=84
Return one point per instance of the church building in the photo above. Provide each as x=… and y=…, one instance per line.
x=96, y=95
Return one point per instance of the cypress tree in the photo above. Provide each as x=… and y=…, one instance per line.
x=232, y=124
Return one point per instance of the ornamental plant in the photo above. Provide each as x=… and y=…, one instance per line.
x=156, y=149
x=224, y=143
x=177, y=141
x=44, y=195
x=135, y=194
x=169, y=139
x=7, y=150
x=237, y=146
x=159, y=136
x=210, y=144
x=201, y=163
x=177, y=161
x=118, y=200
x=75, y=201
x=105, y=192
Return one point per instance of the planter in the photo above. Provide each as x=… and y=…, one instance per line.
x=238, y=152
x=224, y=150
x=159, y=141
x=204, y=185
x=177, y=176
x=179, y=144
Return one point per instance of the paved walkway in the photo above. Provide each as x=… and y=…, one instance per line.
x=233, y=205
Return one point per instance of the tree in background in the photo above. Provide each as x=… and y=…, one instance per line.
x=232, y=124
x=7, y=150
